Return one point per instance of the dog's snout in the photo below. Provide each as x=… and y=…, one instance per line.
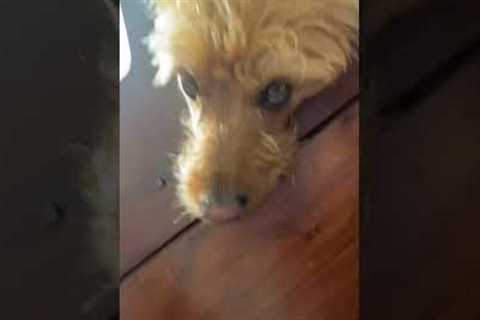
x=242, y=200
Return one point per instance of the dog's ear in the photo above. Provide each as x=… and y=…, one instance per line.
x=329, y=41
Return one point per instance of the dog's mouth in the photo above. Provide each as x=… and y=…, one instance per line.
x=222, y=214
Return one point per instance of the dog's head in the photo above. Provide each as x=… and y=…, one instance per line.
x=244, y=66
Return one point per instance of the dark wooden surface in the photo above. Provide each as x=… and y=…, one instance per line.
x=52, y=96
x=405, y=43
x=295, y=258
x=420, y=166
x=423, y=203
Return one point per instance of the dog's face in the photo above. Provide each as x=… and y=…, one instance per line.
x=244, y=66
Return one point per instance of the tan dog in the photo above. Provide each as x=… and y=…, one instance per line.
x=244, y=66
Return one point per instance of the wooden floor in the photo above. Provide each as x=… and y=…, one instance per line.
x=295, y=258
x=420, y=166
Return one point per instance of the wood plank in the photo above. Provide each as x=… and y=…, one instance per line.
x=420, y=255
x=51, y=99
x=295, y=258
x=149, y=131
x=406, y=42
x=146, y=226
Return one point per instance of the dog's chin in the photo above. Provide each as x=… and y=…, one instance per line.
x=223, y=214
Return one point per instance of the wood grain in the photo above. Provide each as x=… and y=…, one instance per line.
x=295, y=258
x=149, y=224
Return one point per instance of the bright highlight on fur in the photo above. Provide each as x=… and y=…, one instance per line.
x=235, y=150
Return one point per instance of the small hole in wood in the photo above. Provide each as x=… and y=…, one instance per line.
x=161, y=182
x=58, y=213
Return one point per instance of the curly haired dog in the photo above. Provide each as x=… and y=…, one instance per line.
x=244, y=66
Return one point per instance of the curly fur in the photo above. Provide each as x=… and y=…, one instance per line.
x=234, y=48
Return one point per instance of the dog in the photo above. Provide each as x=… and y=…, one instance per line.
x=244, y=67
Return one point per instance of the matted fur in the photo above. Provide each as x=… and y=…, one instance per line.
x=234, y=48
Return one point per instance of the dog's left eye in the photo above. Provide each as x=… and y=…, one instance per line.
x=189, y=85
x=275, y=95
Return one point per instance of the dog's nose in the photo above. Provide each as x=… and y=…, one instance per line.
x=242, y=200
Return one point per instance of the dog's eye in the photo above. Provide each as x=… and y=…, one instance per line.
x=189, y=85
x=275, y=95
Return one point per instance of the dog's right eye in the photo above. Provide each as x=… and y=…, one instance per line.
x=189, y=85
x=275, y=95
